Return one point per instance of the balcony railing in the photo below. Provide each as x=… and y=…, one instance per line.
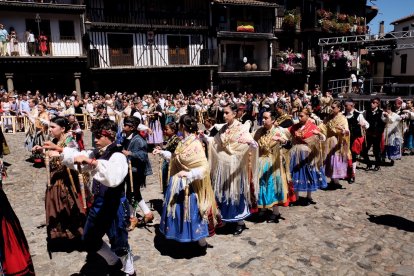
x=67, y=48
x=258, y=28
x=67, y=2
x=279, y=60
x=138, y=18
x=121, y=57
x=240, y=66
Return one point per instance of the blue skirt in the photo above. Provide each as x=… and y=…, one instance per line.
x=269, y=193
x=305, y=177
x=175, y=227
x=234, y=211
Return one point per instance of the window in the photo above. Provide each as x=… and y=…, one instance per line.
x=405, y=29
x=67, y=30
x=404, y=64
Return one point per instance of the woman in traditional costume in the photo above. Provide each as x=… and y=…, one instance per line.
x=170, y=131
x=65, y=215
x=393, y=133
x=305, y=158
x=271, y=176
x=14, y=251
x=232, y=154
x=336, y=149
x=409, y=133
x=155, y=122
x=189, y=199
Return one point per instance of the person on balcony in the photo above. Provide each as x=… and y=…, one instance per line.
x=43, y=44
x=31, y=43
x=4, y=36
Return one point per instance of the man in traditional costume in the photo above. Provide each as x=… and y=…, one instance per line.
x=357, y=126
x=109, y=168
x=135, y=149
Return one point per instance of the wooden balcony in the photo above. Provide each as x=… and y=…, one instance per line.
x=121, y=57
x=53, y=6
x=68, y=47
x=101, y=17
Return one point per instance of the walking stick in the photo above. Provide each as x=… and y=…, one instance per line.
x=47, y=162
x=82, y=186
x=160, y=172
x=131, y=178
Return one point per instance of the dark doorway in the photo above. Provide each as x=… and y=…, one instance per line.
x=178, y=49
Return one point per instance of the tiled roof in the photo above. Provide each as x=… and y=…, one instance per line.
x=406, y=18
x=247, y=3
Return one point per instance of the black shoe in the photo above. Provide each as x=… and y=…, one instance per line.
x=239, y=229
x=351, y=180
x=369, y=167
x=310, y=201
x=392, y=163
x=377, y=168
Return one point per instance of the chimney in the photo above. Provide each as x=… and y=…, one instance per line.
x=381, y=29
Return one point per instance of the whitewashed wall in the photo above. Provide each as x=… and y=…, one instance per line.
x=396, y=63
x=65, y=48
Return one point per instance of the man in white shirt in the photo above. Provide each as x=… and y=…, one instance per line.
x=31, y=43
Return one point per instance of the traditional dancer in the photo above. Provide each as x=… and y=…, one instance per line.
x=374, y=134
x=305, y=158
x=336, y=149
x=109, y=213
x=15, y=257
x=232, y=155
x=409, y=133
x=135, y=149
x=189, y=199
x=170, y=131
x=271, y=176
x=65, y=215
x=357, y=126
x=393, y=133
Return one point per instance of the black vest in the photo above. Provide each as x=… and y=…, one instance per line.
x=98, y=188
x=354, y=127
x=376, y=125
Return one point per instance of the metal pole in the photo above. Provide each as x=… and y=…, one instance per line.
x=321, y=73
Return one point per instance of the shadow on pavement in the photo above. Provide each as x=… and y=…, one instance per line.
x=176, y=250
x=393, y=221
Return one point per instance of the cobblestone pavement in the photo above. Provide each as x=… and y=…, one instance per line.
x=334, y=237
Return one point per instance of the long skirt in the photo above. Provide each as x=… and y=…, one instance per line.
x=14, y=251
x=118, y=233
x=233, y=211
x=336, y=166
x=393, y=151
x=409, y=140
x=306, y=177
x=174, y=225
x=272, y=189
x=157, y=134
x=65, y=216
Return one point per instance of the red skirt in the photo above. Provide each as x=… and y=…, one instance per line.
x=17, y=260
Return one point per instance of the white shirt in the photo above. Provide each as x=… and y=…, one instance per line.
x=110, y=173
x=31, y=38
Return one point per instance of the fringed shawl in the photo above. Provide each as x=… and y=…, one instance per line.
x=271, y=151
x=190, y=155
x=336, y=141
x=304, y=141
x=233, y=164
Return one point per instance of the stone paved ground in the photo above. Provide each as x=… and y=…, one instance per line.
x=334, y=237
